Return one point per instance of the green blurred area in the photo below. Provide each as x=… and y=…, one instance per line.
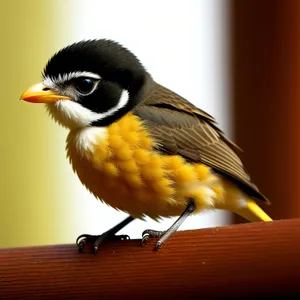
x=29, y=203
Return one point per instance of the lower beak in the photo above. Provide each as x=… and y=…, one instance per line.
x=39, y=93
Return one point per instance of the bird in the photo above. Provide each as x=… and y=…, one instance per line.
x=138, y=146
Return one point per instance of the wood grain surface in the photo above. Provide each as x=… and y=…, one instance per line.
x=239, y=261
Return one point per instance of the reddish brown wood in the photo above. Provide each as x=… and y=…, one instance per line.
x=266, y=92
x=258, y=259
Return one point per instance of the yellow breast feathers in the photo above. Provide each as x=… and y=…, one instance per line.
x=119, y=165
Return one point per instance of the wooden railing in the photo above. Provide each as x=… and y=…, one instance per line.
x=240, y=261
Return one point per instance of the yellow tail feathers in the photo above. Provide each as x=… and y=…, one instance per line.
x=252, y=212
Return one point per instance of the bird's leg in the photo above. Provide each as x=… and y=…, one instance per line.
x=96, y=240
x=164, y=235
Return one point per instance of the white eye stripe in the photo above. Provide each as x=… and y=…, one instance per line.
x=52, y=82
x=123, y=101
x=57, y=84
x=73, y=115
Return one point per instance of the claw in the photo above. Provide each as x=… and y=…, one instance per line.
x=146, y=232
x=82, y=240
x=95, y=249
x=145, y=239
x=80, y=246
x=157, y=246
x=81, y=237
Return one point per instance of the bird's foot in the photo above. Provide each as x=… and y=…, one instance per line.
x=152, y=234
x=164, y=235
x=92, y=242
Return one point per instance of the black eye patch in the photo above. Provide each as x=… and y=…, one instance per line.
x=105, y=97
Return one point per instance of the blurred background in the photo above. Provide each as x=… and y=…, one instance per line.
x=237, y=60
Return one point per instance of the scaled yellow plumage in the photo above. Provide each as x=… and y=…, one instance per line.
x=122, y=169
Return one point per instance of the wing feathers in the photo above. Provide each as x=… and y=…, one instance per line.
x=179, y=127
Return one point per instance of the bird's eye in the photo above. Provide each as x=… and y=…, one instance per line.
x=84, y=85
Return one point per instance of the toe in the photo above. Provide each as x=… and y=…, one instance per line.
x=157, y=245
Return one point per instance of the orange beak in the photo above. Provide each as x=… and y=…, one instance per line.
x=39, y=93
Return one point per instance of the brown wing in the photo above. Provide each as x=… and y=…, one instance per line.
x=181, y=128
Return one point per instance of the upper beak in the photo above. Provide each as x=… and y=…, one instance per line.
x=39, y=93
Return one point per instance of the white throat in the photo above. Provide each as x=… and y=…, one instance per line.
x=86, y=140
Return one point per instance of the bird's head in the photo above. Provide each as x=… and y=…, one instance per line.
x=90, y=83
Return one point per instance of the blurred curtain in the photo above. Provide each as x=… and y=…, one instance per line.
x=266, y=98
x=29, y=182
